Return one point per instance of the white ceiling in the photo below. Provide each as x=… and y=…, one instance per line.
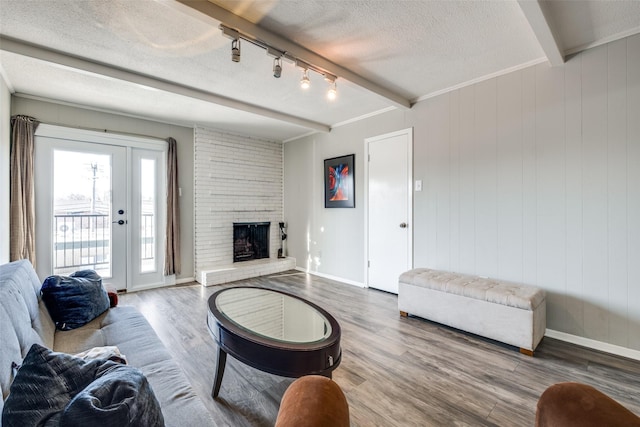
x=166, y=61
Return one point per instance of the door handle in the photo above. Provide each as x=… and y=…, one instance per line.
x=403, y=225
x=122, y=221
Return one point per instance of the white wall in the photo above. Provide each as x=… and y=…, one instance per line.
x=64, y=115
x=532, y=177
x=5, y=144
x=237, y=179
x=328, y=241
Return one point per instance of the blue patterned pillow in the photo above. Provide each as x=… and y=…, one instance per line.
x=57, y=389
x=75, y=300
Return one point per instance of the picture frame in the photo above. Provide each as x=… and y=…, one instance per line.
x=340, y=182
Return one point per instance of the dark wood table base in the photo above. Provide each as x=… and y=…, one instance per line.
x=283, y=358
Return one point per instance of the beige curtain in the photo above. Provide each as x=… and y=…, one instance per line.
x=172, y=235
x=22, y=195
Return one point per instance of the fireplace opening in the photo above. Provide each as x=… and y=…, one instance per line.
x=250, y=240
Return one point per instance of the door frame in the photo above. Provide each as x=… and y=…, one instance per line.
x=409, y=187
x=130, y=142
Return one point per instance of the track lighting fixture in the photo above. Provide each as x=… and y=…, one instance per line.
x=277, y=68
x=305, y=82
x=278, y=55
x=235, y=50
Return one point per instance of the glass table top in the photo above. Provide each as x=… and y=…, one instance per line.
x=273, y=315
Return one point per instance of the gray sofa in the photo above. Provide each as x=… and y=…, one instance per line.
x=24, y=320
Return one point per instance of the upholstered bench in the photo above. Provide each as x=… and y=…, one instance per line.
x=507, y=312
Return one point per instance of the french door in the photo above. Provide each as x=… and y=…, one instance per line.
x=99, y=206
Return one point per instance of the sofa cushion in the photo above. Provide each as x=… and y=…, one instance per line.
x=23, y=318
x=59, y=389
x=480, y=288
x=126, y=328
x=74, y=300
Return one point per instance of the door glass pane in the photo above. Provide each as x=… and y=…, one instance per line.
x=81, y=212
x=148, y=215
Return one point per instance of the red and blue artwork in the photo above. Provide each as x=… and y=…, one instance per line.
x=339, y=182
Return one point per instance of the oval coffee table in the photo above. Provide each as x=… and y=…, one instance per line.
x=272, y=331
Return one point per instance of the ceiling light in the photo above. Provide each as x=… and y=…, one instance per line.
x=278, y=56
x=235, y=50
x=332, y=93
x=305, y=82
x=277, y=68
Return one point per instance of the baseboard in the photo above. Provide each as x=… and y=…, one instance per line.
x=185, y=280
x=328, y=276
x=562, y=336
x=593, y=344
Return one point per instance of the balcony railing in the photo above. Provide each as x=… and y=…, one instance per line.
x=84, y=241
x=81, y=241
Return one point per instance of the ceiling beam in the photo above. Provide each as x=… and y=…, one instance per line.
x=85, y=65
x=213, y=14
x=534, y=12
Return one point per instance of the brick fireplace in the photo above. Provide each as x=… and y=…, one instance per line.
x=237, y=179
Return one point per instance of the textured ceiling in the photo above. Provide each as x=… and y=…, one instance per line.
x=413, y=48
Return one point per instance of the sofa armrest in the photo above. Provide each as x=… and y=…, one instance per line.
x=313, y=401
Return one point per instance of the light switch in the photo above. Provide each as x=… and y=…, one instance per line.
x=418, y=185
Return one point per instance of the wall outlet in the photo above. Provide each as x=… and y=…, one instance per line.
x=418, y=185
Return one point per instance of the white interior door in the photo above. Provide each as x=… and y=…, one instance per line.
x=389, y=209
x=100, y=205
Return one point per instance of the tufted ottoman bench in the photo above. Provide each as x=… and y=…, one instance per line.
x=507, y=312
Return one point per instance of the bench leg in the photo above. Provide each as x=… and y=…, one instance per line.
x=404, y=313
x=526, y=352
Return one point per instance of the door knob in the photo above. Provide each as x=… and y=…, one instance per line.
x=120, y=212
x=403, y=225
x=122, y=221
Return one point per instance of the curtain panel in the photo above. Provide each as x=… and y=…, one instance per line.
x=172, y=236
x=22, y=193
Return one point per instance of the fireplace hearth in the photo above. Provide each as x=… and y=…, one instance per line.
x=250, y=241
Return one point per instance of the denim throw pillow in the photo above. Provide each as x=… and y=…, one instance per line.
x=57, y=389
x=74, y=300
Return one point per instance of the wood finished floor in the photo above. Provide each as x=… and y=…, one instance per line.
x=395, y=371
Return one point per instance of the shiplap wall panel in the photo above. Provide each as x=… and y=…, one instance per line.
x=529, y=178
x=617, y=191
x=633, y=189
x=486, y=177
x=454, y=179
x=509, y=176
x=442, y=138
x=544, y=187
x=574, y=313
x=550, y=192
x=594, y=142
x=236, y=179
x=432, y=184
x=467, y=181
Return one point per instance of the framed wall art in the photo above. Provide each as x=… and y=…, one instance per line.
x=339, y=182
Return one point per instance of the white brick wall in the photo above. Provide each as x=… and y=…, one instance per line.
x=236, y=179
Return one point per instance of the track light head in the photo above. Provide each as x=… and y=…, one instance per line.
x=332, y=93
x=235, y=50
x=305, y=82
x=277, y=68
